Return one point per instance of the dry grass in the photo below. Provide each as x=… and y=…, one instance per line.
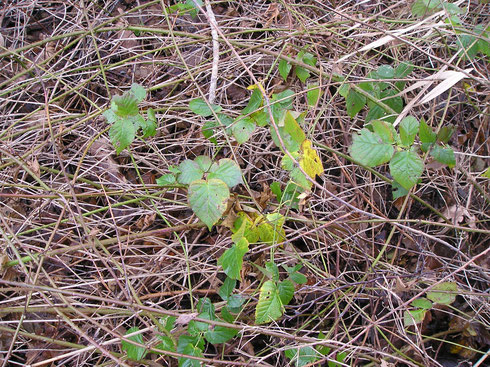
x=85, y=251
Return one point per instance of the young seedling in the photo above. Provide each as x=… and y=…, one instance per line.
x=126, y=119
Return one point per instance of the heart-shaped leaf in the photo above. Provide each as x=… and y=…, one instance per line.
x=208, y=199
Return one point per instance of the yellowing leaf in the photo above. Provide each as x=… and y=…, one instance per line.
x=310, y=162
x=257, y=86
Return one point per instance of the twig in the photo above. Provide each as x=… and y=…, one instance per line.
x=214, y=68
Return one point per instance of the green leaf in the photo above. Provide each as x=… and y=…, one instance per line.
x=369, y=149
x=301, y=73
x=309, y=58
x=243, y=128
x=292, y=127
x=443, y=293
x=243, y=227
x=375, y=112
x=286, y=291
x=138, y=91
x=313, y=94
x=276, y=190
x=227, y=288
x=166, y=343
x=227, y=171
x=298, y=278
x=271, y=230
x=423, y=303
x=208, y=130
x=413, y=317
x=287, y=163
x=168, y=322
x=204, y=163
x=232, y=259
x=284, y=69
x=220, y=334
x=340, y=358
x=190, y=350
x=271, y=270
x=208, y=199
x=384, y=130
x=443, y=155
x=445, y=133
x=134, y=352
x=254, y=102
x=284, y=99
x=426, y=134
x=185, y=340
x=125, y=105
x=300, y=179
x=385, y=72
x=234, y=302
x=122, y=134
x=406, y=167
x=354, y=103
x=166, y=180
x=344, y=90
x=190, y=171
x=201, y=108
x=300, y=357
x=269, y=308
x=486, y=174
x=409, y=128
x=398, y=191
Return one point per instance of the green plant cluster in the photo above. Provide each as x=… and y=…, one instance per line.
x=126, y=119
x=379, y=143
x=380, y=88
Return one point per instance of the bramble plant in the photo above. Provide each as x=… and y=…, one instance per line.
x=442, y=294
x=126, y=119
x=383, y=144
x=380, y=89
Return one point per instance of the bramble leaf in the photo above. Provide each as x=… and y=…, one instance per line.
x=423, y=303
x=426, y=134
x=232, y=259
x=284, y=69
x=227, y=171
x=204, y=163
x=286, y=291
x=227, y=288
x=190, y=171
x=190, y=350
x=409, y=128
x=313, y=95
x=412, y=317
x=208, y=199
x=301, y=73
x=201, y=108
x=406, y=167
x=300, y=357
x=369, y=149
x=166, y=179
x=254, y=102
x=220, y=334
x=269, y=308
x=243, y=128
x=443, y=155
x=134, y=352
x=385, y=130
x=138, y=91
x=310, y=161
x=443, y=293
x=354, y=103
x=122, y=134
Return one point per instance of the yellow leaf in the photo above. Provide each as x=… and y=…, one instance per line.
x=310, y=162
x=257, y=86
